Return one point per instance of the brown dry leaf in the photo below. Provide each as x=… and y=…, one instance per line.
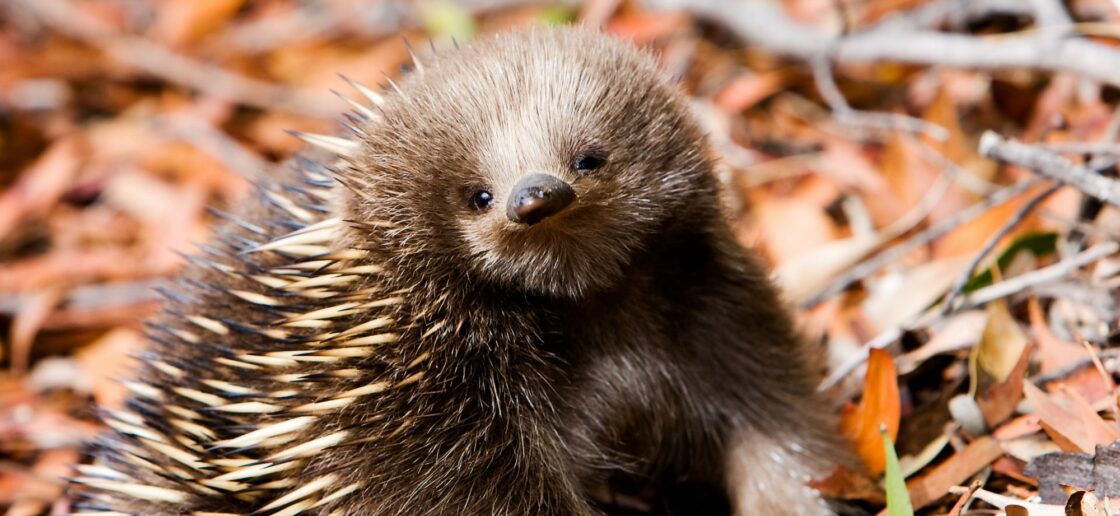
x=999, y=400
x=1070, y=422
x=934, y=484
x=106, y=360
x=51, y=470
x=40, y=185
x=804, y=275
x=1050, y=105
x=595, y=13
x=316, y=68
x=962, y=331
x=791, y=227
x=958, y=147
x=843, y=484
x=140, y=195
x=879, y=407
x=1053, y=352
x=1013, y=468
x=893, y=167
x=969, y=237
x=1090, y=386
x=910, y=177
x=644, y=28
x=1001, y=344
x=846, y=164
x=748, y=89
x=184, y=21
x=1018, y=427
x=897, y=298
x=872, y=11
x=25, y=325
x=74, y=267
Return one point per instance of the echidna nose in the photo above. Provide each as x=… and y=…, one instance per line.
x=537, y=196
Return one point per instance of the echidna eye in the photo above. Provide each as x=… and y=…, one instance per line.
x=588, y=162
x=481, y=200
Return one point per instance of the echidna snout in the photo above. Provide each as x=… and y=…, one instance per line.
x=537, y=196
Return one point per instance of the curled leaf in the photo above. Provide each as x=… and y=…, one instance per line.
x=879, y=409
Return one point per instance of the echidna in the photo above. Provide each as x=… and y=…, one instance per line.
x=512, y=286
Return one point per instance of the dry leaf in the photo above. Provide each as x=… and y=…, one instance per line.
x=879, y=407
x=804, y=275
x=1053, y=352
x=105, y=361
x=1001, y=344
x=897, y=298
x=748, y=89
x=931, y=486
x=1072, y=423
x=791, y=227
x=999, y=400
x=962, y=331
x=40, y=185
x=184, y=21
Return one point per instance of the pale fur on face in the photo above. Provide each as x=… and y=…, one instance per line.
x=483, y=117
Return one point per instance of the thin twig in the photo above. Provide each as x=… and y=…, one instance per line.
x=846, y=114
x=1051, y=166
x=1038, y=277
x=1072, y=367
x=868, y=267
x=766, y=25
x=1102, y=371
x=880, y=341
x=982, y=296
x=952, y=13
x=221, y=146
x=1016, y=219
x=1101, y=148
x=960, y=175
x=965, y=498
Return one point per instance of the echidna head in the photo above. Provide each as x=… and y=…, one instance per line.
x=539, y=160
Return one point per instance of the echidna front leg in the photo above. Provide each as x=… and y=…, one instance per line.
x=768, y=475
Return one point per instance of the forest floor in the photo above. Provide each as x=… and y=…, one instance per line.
x=933, y=182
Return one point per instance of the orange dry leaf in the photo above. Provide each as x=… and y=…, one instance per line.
x=880, y=407
x=910, y=177
x=185, y=21
x=971, y=236
x=108, y=359
x=791, y=227
x=644, y=28
x=748, y=89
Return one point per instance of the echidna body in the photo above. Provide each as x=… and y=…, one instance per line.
x=515, y=285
